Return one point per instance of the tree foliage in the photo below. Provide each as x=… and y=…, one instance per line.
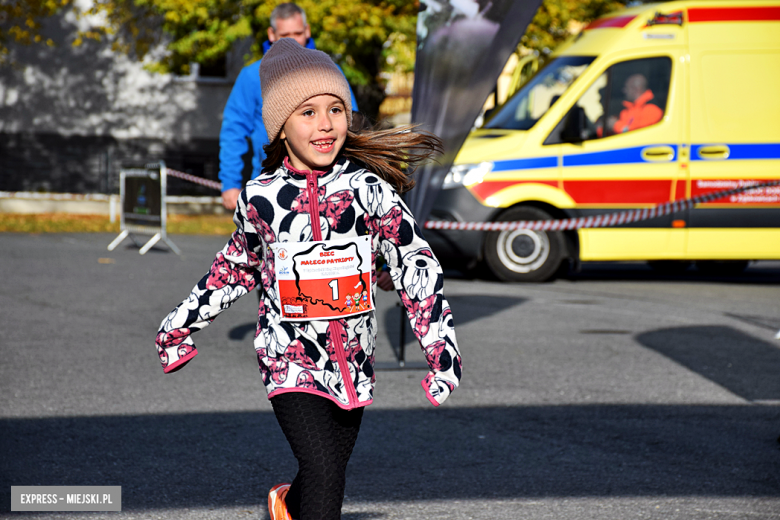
x=366, y=37
x=21, y=22
x=557, y=20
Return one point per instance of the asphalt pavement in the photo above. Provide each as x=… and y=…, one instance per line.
x=614, y=393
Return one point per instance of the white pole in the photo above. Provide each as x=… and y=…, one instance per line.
x=112, y=200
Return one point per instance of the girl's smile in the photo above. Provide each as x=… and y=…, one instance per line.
x=315, y=133
x=324, y=146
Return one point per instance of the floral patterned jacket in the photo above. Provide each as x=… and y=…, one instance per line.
x=333, y=358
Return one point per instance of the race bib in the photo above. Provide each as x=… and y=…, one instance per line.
x=323, y=280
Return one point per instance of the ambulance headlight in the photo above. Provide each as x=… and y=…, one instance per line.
x=466, y=175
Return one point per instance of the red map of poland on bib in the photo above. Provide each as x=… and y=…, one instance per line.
x=323, y=280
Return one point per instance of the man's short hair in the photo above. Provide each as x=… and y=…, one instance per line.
x=285, y=11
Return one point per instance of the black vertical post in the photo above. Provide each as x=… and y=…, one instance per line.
x=402, y=346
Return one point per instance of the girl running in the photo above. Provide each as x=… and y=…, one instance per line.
x=307, y=233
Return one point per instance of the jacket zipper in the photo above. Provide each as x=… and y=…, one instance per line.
x=341, y=357
x=338, y=345
x=314, y=205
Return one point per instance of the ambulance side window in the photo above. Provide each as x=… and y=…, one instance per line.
x=628, y=96
x=592, y=103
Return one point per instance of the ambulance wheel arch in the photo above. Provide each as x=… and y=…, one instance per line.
x=528, y=256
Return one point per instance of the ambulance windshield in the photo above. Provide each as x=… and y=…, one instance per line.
x=529, y=104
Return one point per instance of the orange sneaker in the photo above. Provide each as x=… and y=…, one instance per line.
x=276, y=506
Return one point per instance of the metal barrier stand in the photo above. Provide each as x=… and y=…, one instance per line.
x=143, y=206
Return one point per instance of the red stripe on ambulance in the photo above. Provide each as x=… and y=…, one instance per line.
x=619, y=191
x=485, y=189
x=614, y=22
x=733, y=14
x=679, y=192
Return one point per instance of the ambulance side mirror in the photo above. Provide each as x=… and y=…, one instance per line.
x=574, y=126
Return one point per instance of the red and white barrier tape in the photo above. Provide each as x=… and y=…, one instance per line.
x=596, y=221
x=192, y=178
x=593, y=221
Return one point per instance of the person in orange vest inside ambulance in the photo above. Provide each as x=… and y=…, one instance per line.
x=638, y=113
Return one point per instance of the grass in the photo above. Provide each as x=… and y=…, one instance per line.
x=67, y=223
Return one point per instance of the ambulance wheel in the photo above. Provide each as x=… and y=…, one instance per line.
x=523, y=255
x=721, y=267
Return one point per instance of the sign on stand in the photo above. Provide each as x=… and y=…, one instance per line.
x=142, y=193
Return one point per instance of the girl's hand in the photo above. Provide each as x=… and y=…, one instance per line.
x=437, y=390
x=384, y=281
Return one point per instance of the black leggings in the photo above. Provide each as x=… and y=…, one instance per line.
x=321, y=436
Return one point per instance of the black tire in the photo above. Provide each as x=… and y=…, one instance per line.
x=524, y=255
x=721, y=267
x=669, y=267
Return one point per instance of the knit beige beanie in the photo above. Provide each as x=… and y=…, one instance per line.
x=290, y=74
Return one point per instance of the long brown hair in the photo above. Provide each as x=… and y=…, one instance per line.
x=392, y=154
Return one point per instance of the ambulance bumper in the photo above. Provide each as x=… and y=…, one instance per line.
x=458, y=248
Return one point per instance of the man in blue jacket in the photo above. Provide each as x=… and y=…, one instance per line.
x=243, y=115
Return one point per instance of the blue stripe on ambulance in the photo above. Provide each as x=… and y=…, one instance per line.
x=633, y=155
x=525, y=164
x=620, y=156
x=739, y=152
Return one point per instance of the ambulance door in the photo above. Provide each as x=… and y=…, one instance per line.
x=620, y=151
x=735, y=133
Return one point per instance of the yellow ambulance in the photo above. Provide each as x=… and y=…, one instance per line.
x=656, y=103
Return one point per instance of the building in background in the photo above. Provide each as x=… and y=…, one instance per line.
x=70, y=117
